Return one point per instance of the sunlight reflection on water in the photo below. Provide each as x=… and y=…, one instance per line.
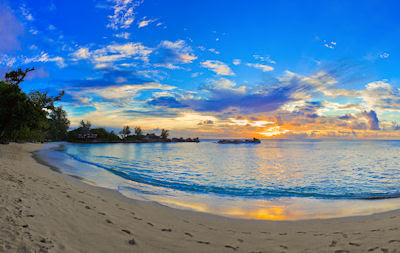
x=272, y=180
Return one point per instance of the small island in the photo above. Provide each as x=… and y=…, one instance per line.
x=86, y=134
x=254, y=140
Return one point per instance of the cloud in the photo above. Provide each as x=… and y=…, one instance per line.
x=145, y=22
x=123, y=13
x=330, y=45
x=264, y=68
x=44, y=57
x=123, y=35
x=224, y=84
x=381, y=95
x=26, y=13
x=218, y=67
x=384, y=55
x=81, y=53
x=169, y=102
x=106, y=56
x=110, y=77
x=10, y=30
x=264, y=58
x=236, y=62
x=169, y=53
x=372, y=118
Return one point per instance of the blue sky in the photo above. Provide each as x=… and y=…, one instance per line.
x=273, y=69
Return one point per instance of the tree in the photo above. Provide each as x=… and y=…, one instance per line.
x=138, y=132
x=164, y=134
x=23, y=117
x=125, y=132
x=86, y=124
x=59, y=125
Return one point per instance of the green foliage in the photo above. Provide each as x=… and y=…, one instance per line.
x=23, y=117
x=103, y=135
x=58, y=125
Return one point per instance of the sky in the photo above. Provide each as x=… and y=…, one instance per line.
x=214, y=69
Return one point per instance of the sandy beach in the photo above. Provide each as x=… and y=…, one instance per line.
x=45, y=211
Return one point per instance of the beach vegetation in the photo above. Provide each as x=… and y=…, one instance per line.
x=28, y=117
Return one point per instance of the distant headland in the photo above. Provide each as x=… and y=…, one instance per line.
x=86, y=134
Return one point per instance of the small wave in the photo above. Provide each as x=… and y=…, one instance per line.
x=232, y=191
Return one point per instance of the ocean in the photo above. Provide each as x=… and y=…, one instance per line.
x=277, y=179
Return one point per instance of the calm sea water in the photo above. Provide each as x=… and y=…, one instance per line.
x=275, y=179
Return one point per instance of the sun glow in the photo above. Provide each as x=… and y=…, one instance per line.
x=273, y=131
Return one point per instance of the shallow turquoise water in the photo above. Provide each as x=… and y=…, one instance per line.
x=207, y=174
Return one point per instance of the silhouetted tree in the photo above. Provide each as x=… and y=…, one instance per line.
x=125, y=132
x=86, y=124
x=138, y=132
x=164, y=134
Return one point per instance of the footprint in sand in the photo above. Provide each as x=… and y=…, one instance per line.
x=231, y=247
x=333, y=244
x=166, y=230
x=126, y=231
x=202, y=242
x=188, y=234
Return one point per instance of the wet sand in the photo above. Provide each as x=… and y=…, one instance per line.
x=42, y=210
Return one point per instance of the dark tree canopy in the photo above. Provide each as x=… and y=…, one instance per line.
x=26, y=117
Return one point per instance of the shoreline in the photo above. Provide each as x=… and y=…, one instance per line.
x=52, y=212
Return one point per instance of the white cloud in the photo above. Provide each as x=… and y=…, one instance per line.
x=44, y=57
x=125, y=91
x=123, y=35
x=124, y=13
x=26, y=13
x=225, y=84
x=218, y=67
x=117, y=52
x=264, y=58
x=384, y=55
x=81, y=53
x=264, y=68
x=7, y=60
x=213, y=51
x=381, y=95
x=145, y=22
x=236, y=62
x=330, y=45
x=182, y=51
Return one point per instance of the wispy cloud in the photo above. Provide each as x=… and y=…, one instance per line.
x=331, y=44
x=218, y=67
x=123, y=13
x=266, y=58
x=264, y=68
x=236, y=62
x=26, y=13
x=384, y=55
x=145, y=22
x=168, y=54
x=44, y=57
